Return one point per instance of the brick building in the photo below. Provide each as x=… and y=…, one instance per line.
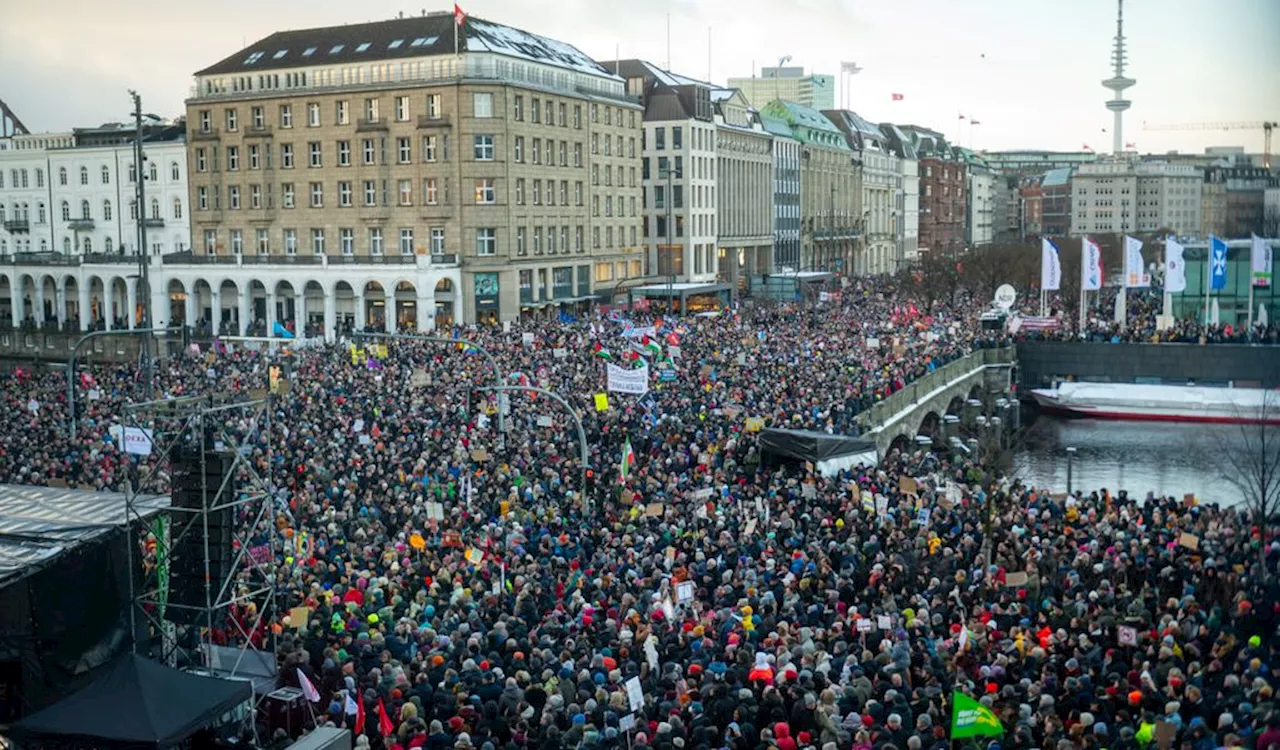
x=942, y=192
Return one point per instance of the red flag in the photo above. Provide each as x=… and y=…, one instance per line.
x=359, y=728
x=961, y=117
x=897, y=97
x=1130, y=145
x=385, y=727
x=1086, y=147
x=459, y=16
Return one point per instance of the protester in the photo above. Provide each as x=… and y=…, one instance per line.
x=753, y=605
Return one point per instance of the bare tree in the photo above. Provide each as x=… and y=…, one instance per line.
x=1250, y=460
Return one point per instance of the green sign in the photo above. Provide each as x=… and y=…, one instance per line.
x=970, y=718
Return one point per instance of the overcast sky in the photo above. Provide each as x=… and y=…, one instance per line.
x=1028, y=70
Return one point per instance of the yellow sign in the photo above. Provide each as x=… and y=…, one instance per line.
x=417, y=542
x=754, y=424
x=602, y=402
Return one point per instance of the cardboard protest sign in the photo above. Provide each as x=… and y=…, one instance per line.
x=1190, y=541
x=654, y=510
x=298, y=617
x=1016, y=579
x=907, y=485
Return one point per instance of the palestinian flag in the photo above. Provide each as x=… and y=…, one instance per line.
x=673, y=338
x=628, y=460
x=649, y=347
x=598, y=350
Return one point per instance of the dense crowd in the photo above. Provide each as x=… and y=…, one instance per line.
x=741, y=603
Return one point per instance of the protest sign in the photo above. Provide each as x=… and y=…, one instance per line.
x=628, y=381
x=684, y=591
x=863, y=625
x=635, y=695
x=137, y=441
x=1016, y=579
x=1190, y=541
x=1127, y=636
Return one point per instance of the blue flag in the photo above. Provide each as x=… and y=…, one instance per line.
x=281, y=331
x=1217, y=264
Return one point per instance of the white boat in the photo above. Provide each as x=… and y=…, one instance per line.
x=1162, y=403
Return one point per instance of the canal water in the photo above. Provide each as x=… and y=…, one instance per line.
x=1161, y=457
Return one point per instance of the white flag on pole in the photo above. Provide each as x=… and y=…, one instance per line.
x=1260, y=262
x=1175, y=268
x=308, y=689
x=1090, y=265
x=1135, y=274
x=1050, y=266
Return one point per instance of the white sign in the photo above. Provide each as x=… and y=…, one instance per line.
x=873, y=342
x=526, y=338
x=634, y=694
x=435, y=511
x=883, y=622
x=628, y=381
x=365, y=440
x=560, y=353
x=1006, y=295
x=627, y=723
x=684, y=591
x=94, y=394
x=137, y=441
x=358, y=426
x=864, y=626
x=673, y=351
x=544, y=421
x=1128, y=636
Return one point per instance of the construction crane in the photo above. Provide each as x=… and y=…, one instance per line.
x=1265, y=127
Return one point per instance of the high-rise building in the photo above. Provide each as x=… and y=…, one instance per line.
x=789, y=83
x=1118, y=196
x=420, y=172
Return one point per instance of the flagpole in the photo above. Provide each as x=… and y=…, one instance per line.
x=1166, y=308
x=1208, y=277
x=1084, y=244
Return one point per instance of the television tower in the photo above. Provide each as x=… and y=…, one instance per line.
x=1118, y=83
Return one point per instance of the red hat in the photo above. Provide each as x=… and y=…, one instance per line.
x=803, y=737
x=455, y=723
x=992, y=688
x=485, y=665
x=1135, y=697
x=695, y=670
x=867, y=720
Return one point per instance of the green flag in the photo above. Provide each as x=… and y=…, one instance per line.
x=970, y=718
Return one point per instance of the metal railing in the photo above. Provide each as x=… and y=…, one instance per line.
x=979, y=359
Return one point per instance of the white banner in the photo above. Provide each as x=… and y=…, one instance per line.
x=1050, y=266
x=1090, y=265
x=137, y=441
x=628, y=381
x=1175, y=268
x=1135, y=272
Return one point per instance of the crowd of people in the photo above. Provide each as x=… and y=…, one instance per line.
x=459, y=590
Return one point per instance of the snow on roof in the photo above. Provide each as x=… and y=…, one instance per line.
x=719, y=95
x=667, y=78
x=484, y=36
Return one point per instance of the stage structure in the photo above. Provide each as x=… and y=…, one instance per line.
x=203, y=589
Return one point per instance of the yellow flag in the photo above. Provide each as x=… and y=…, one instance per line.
x=602, y=402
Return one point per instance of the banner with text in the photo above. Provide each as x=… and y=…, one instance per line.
x=628, y=381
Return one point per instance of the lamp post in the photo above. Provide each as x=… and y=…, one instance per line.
x=1071, y=455
x=144, y=259
x=671, y=266
x=777, y=73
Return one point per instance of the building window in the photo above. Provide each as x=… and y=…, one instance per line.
x=317, y=241
x=486, y=241
x=313, y=115
x=342, y=112
x=437, y=240
x=233, y=197
x=430, y=191
x=483, y=147
x=370, y=193
x=237, y=242
x=406, y=192
x=286, y=156
x=210, y=241
x=428, y=148
x=485, y=191
x=177, y=208
x=402, y=108
x=375, y=241
x=577, y=193
x=233, y=158
x=519, y=149
x=433, y=106
x=577, y=154
x=264, y=245
x=202, y=198
x=482, y=105
x=406, y=241
x=286, y=115
x=286, y=194
x=290, y=242
x=366, y=146
x=537, y=240
x=517, y=111
x=404, y=151
x=344, y=153
x=520, y=244
x=344, y=194
x=317, y=195
x=314, y=155
x=534, y=109
x=206, y=121
x=254, y=162
x=84, y=176
x=232, y=120
x=106, y=211
x=520, y=191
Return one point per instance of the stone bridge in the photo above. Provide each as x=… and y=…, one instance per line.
x=923, y=407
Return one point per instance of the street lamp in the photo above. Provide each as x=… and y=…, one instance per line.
x=777, y=73
x=1071, y=455
x=671, y=266
x=144, y=260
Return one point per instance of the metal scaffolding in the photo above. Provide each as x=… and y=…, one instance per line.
x=237, y=608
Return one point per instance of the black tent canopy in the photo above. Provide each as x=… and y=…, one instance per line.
x=135, y=703
x=835, y=451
